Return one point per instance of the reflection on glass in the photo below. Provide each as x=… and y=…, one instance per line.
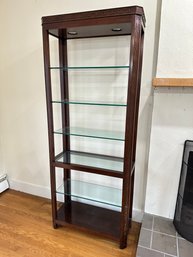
x=92, y=160
x=84, y=102
x=90, y=67
x=92, y=192
x=85, y=132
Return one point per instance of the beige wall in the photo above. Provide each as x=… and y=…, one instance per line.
x=172, y=120
x=23, y=124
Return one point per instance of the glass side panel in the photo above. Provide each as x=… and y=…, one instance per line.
x=84, y=102
x=92, y=192
x=94, y=133
x=91, y=160
x=90, y=67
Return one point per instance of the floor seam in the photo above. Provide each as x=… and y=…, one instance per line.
x=151, y=240
x=177, y=245
x=158, y=232
x=161, y=233
x=157, y=251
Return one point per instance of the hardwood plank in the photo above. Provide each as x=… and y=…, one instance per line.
x=26, y=230
x=173, y=82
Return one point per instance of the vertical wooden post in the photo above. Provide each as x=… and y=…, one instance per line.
x=50, y=123
x=63, y=62
x=133, y=95
x=136, y=123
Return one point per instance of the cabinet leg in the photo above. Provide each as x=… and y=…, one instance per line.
x=55, y=226
x=123, y=243
x=130, y=223
x=124, y=235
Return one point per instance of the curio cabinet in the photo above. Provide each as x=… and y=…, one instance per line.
x=93, y=65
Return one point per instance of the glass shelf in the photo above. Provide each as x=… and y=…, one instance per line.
x=93, y=133
x=84, y=102
x=92, y=192
x=90, y=67
x=91, y=160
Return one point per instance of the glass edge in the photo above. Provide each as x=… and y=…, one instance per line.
x=89, y=103
x=85, y=198
x=89, y=67
x=81, y=135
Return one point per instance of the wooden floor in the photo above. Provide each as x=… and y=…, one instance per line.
x=26, y=231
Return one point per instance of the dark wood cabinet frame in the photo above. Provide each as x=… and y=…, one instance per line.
x=132, y=20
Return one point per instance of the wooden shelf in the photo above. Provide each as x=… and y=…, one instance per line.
x=173, y=82
x=89, y=217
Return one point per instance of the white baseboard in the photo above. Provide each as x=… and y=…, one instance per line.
x=138, y=215
x=45, y=192
x=30, y=188
x=4, y=185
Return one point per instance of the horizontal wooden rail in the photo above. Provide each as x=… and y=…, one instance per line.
x=173, y=82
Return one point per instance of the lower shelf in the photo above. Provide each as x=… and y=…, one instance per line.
x=110, y=163
x=92, y=192
x=96, y=219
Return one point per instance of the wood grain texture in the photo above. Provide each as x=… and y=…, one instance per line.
x=123, y=11
x=26, y=231
x=173, y=82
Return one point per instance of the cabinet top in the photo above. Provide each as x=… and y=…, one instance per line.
x=99, y=18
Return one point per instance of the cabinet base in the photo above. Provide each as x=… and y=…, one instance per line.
x=88, y=217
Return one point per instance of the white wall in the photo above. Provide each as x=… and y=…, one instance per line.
x=1, y=160
x=172, y=112
x=23, y=123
